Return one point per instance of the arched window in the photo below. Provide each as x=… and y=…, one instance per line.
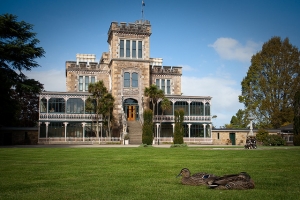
x=207, y=109
x=43, y=105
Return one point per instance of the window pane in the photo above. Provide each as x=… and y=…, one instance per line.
x=134, y=79
x=75, y=105
x=56, y=105
x=158, y=83
x=140, y=49
x=86, y=83
x=80, y=83
x=43, y=105
x=93, y=79
x=126, y=79
x=122, y=48
x=134, y=49
x=163, y=85
x=127, y=48
x=168, y=87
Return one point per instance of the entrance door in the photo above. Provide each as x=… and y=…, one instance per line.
x=232, y=138
x=131, y=110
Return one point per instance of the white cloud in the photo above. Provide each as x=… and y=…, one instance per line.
x=231, y=49
x=53, y=80
x=225, y=102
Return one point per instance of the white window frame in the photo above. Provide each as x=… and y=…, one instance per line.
x=131, y=49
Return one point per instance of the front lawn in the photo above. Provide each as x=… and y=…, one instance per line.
x=144, y=173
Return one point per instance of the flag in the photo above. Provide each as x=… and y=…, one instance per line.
x=143, y=3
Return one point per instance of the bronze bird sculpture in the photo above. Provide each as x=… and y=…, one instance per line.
x=200, y=178
x=241, y=181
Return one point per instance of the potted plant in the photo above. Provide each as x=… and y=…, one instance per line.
x=126, y=138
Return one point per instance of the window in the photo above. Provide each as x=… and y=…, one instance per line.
x=43, y=105
x=131, y=49
x=122, y=48
x=84, y=81
x=126, y=79
x=56, y=105
x=75, y=105
x=207, y=109
x=80, y=83
x=131, y=80
x=134, y=79
x=134, y=49
x=140, y=49
x=164, y=85
x=127, y=48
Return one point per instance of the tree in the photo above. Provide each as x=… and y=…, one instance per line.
x=147, y=137
x=106, y=109
x=179, y=130
x=164, y=105
x=271, y=83
x=239, y=120
x=27, y=99
x=18, y=51
x=154, y=94
x=296, y=125
x=103, y=101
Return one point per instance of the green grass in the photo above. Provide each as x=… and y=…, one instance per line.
x=144, y=173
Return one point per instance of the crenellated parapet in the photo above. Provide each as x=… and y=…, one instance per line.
x=162, y=70
x=139, y=27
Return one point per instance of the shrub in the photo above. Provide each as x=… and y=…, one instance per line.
x=261, y=135
x=147, y=137
x=178, y=133
x=178, y=145
x=274, y=140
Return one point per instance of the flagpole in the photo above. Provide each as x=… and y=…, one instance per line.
x=143, y=4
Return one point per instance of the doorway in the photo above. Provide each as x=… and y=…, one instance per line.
x=131, y=109
x=131, y=112
x=232, y=138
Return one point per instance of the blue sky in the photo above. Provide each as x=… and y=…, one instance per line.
x=213, y=40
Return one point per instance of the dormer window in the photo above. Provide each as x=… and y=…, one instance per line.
x=131, y=49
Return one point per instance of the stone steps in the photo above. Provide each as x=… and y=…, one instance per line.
x=135, y=132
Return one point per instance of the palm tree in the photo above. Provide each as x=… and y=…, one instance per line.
x=97, y=90
x=107, y=105
x=154, y=93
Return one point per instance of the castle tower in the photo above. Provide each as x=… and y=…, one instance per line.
x=129, y=66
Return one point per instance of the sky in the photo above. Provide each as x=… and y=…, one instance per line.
x=213, y=40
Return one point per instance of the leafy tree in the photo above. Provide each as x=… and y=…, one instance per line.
x=297, y=119
x=154, y=93
x=271, y=83
x=147, y=137
x=28, y=102
x=262, y=135
x=179, y=130
x=107, y=105
x=104, y=102
x=18, y=51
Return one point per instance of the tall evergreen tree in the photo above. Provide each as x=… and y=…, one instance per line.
x=271, y=83
x=179, y=130
x=18, y=53
x=147, y=136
